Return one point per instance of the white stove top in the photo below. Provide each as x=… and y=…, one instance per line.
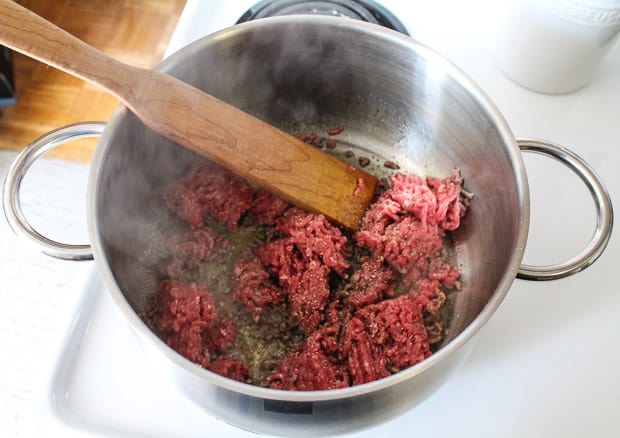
x=546, y=364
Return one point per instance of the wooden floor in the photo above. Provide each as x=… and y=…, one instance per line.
x=133, y=31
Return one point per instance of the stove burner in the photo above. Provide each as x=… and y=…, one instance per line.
x=364, y=10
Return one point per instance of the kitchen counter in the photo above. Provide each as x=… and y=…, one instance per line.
x=546, y=364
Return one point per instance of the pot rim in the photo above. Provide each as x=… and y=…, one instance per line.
x=370, y=31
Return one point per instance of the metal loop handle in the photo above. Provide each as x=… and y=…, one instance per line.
x=11, y=201
x=604, y=213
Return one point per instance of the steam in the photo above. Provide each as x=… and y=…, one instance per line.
x=293, y=75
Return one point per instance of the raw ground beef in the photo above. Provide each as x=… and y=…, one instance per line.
x=230, y=367
x=335, y=308
x=267, y=207
x=191, y=248
x=251, y=285
x=431, y=200
x=198, y=245
x=186, y=316
x=407, y=224
x=210, y=190
x=308, y=295
x=316, y=363
x=309, y=368
x=384, y=338
x=314, y=238
x=370, y=283
x=302, y=259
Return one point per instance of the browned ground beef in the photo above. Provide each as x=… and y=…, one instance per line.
x=335, y=308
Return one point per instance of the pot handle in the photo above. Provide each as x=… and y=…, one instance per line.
x=604, y=213
x=11, y=201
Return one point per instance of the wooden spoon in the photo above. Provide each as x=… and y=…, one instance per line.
x=303, y=175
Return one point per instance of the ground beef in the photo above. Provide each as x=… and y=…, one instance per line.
x=431, y=200
x=325, y=313
x=309, y=368
x=230, y=367
x=308, y=295
x=313, y=139
x=384, y=338
x=403, y=243
x=451, y=206
x=267, y=207
x=407, y=223
x=314, y=238
x=309, y=250
x=209, y=190
x=335, y=130
x=428, y=282
x=201, y=244
x=191, y=248
x=329, y=333
x=252, y=287
x=187, y=319
x=283, y=260
x=444, y=272
x=183, y=304
x=317, y=363
x=220, y=336
x=370, y=283
x=365, y=360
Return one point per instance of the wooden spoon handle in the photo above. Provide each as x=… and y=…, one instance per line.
x=300, y=173
x=24, y=31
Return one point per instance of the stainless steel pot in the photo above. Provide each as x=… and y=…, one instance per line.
x=397, y=99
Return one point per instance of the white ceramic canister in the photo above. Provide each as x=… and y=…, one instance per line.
x=555, y=46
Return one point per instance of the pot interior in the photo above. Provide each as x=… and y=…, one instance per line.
x=396, y=99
